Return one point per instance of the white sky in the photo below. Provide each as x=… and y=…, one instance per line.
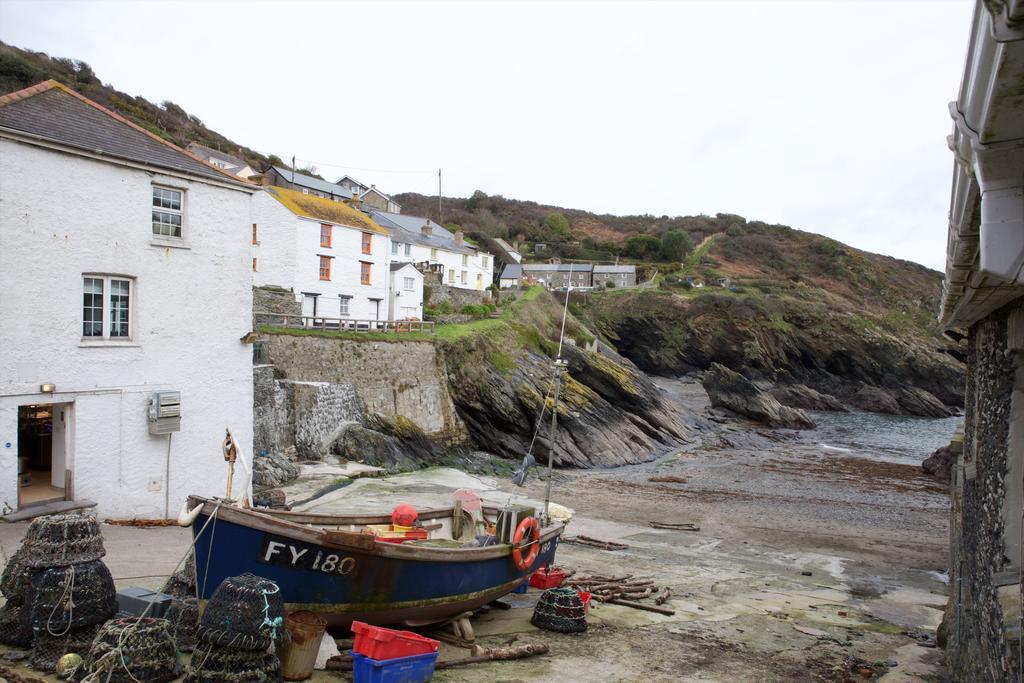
x=826, y=116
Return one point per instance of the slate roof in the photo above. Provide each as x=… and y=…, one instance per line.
x=512, y=271
x=204, y=151
x=312, y=183
x=320, y=209
x=614, y=269
x=559, y=267
x=404, y=228
x=398, y=265
x=54, y=112
x=505, y=245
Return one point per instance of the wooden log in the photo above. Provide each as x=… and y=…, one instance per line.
x=496, y=654
x=663, y=596
x=667, y=611
x=668, y=479
x=339, y=663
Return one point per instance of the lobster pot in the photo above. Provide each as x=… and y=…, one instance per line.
x=182, y=583
x=245, y=612
x=13, y=629
x=216, y=664
x=62, y=540
x=561, y=610
x=16, y=578
x=60, y=598
x=146, y=653
x=48, y=648
x=183, y=617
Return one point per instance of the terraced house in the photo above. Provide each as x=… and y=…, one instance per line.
x=332, y=256
x=428, y=245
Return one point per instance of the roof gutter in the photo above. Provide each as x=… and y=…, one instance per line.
x=985, y=244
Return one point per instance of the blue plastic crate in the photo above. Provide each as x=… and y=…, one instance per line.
x=415, y=669
x=522, y=588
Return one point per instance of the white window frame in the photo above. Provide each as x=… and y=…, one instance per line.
x=394, y=248
x=408, y=249
x=344, y=305
x=181, y=212
x=105, y=337
x=465, y=260
x=433, y=254
x=465, y=277
x=409, y=284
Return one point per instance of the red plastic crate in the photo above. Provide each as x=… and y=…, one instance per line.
x=544, y=579
x=381, y=643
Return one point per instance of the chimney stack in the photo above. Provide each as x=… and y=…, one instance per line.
x=426, y=229
x=459, y=237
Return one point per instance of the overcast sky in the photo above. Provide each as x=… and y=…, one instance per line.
x=826, y=116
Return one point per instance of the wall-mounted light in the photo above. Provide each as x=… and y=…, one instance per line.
x=47, y=388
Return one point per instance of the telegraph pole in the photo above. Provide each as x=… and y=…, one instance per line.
x=440, y=209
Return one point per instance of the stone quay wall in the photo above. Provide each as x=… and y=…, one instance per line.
x=983, y=617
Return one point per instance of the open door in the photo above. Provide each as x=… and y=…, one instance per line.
x=42, y=452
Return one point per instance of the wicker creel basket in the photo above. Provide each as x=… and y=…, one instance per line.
x=62, y=540
x=245, y=612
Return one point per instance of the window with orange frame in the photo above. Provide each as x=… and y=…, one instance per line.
x=364, y=272
x=325, y=235
x=325, y=267
x=367, y=242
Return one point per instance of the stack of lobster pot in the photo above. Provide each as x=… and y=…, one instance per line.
x=239, y=632
x=70, y=592
x=14, y=585
x=132, y=650
x=183, y=613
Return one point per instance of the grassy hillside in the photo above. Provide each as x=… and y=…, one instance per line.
x=21, y=68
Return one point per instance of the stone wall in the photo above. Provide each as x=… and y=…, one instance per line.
x=985, y=592
x=407, y=379
x=275, y=300
x=455, y=296
x=306, y=415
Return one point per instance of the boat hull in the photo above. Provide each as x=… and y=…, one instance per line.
x=360, y=580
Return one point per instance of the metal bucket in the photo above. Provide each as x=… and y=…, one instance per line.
x=299, y=655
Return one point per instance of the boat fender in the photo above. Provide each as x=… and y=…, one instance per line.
x=527, y=526
x=186, y=517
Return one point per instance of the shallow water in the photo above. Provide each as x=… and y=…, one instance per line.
x=892, y=438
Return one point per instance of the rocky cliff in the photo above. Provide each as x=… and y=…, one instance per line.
x=808, y=353
x=484, y=385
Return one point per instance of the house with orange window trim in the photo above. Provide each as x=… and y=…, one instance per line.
x=333, y=257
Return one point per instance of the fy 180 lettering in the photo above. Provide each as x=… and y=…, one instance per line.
x=286, y=553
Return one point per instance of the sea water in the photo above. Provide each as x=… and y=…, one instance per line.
x=891, y=438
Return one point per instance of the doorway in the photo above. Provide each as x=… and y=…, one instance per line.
x=42, y=452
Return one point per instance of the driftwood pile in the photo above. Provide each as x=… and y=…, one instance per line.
x=594, y=543
x=626, y=591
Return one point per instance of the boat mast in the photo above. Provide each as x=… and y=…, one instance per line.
x=559, y=366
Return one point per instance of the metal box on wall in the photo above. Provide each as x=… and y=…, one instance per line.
x=165, y=412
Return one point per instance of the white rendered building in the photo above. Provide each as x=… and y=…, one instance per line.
x=331, y=255
x=422, y=241
x=125, y=277
x=406, y=292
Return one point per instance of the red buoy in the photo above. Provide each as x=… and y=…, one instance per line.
x=404, y=515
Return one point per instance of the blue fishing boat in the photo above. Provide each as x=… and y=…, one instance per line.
x=334, y=565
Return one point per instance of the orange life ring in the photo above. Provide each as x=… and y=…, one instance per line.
x=529, y=524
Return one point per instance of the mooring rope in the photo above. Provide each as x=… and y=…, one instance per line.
x=67, y=599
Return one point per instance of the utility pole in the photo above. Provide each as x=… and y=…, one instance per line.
x=440, y=209
x=293, y=169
